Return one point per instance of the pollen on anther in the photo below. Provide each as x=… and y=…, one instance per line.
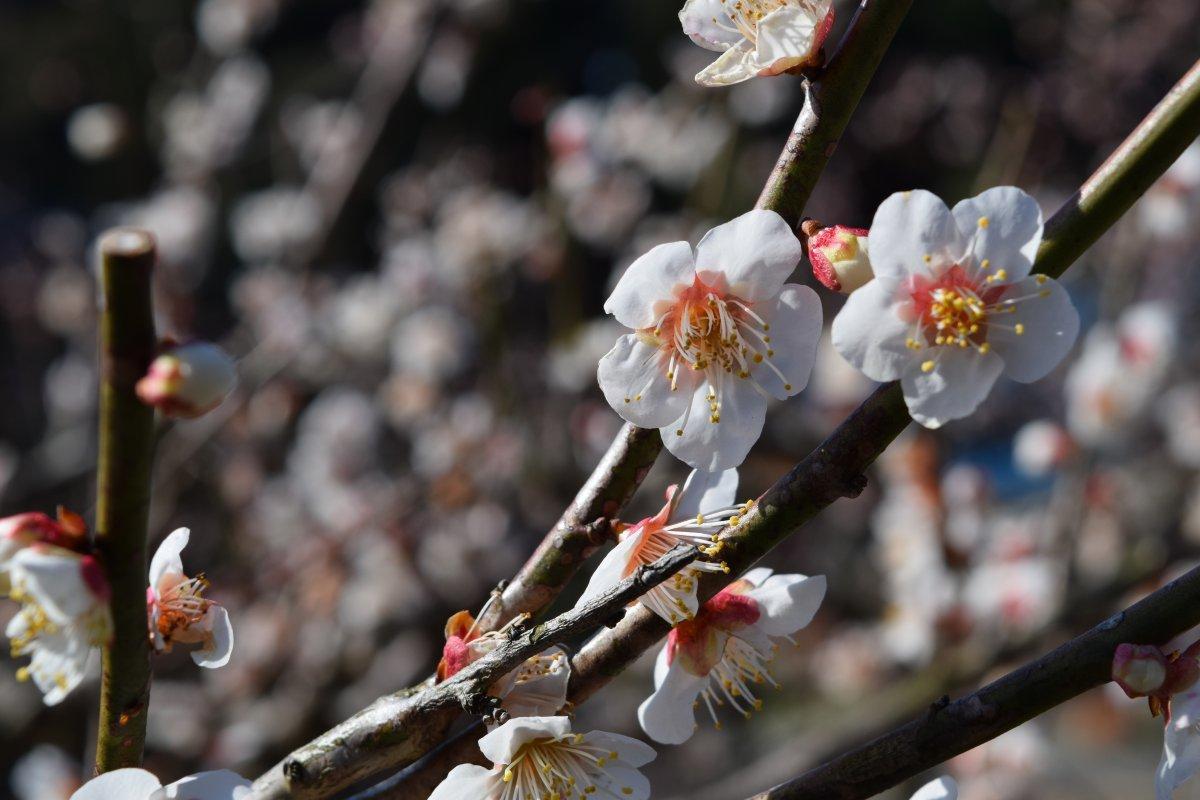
x=927, y=366
x=787, y=387
x=679, y=431
x=983, y=222
x=1019, y=328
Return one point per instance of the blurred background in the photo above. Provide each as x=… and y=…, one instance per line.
x=403, y=218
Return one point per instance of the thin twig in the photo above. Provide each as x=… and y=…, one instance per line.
x=398, y=727
x=127, y=346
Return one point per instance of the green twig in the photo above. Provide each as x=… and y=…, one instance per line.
x=127, y=346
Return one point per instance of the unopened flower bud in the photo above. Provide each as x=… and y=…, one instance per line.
x=1139, y=670
x=188, y=380
x=839, y=258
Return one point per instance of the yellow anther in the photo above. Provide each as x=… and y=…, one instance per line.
x=927, y=366
x=983, y=222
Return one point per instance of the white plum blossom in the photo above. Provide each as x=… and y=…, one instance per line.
x=1181, y=744
x=1041, y=446
x=691, y=515
x=64, y=615
x=953, y=304
x=756, y=37
x=178, y=610
x=716, y=333
x=539, y=757
x=943, y=788
x=538, y=687
x=138, y=784
x=188, y=380
x=721, y=654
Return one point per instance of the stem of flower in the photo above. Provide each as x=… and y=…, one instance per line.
x=127, y=346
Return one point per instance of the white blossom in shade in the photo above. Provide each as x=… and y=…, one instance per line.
x=1179, y=413
x=536, y=688
x=723, y=653
x=691, y=515
x=64, y=615
x=943, y=788
x=138, y=784
x=1041, y=446
x=716, y=333
x=178, y=610
x=756, y=37
x=539, y=757
x=189, y=380
x=1018, y=597
x=953, y=304
x=1181, y=744
x=1120, y=373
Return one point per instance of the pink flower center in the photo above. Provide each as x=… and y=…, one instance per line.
x=699, y=641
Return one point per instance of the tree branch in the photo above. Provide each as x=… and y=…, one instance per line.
x=127, y=346
x=398, y=727
x=946, y=730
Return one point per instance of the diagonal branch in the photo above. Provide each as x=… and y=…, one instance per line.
x=948, y=729
x=394, y=726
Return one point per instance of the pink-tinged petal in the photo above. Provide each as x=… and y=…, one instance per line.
x=787, y=603
x=707, y=24
x=623, y=782
x=469, y=781
x=717, y=446
x=630, y=751
x=650, y=283
x=219, y=648
x=502, y=744
x=1181, y=745
x=750, y=256
x=55, y=577
x=795, y=322
x=633, y=377
x=703, y=492
x=120, y=784
x=735, y=65
x=908, y=227
x=216, y=785
x=1004, y=226
x=167, y=558
x=959, y=381
x=667, y=715
x=1050, y=325
x=943, y=788
x=614, y=567
x=787, y=38
x=870, y=334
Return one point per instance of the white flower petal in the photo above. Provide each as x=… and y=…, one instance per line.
x=469, y=780
x=1004, y=226
x=501, y=744
x=613, y=568
x=120, y=784
x=909, y=226
x=787, y=603
x=216, y=622
x=869, y=333
x=733, y=66
x=716, y=446
x=631, y=751
x=650, y=281
x=707, y=24
x=1051, y=325
x=216, y=785
x=795, y=324
x=543, y=691
x=757, y=576
x=167, y=558
x=705, y=491
x=785, y=37
x=1181, y=745
x=623, y=782
x=751, y=255
x=633, y=377
x=58, y=662
x=960, y=380
x=943, y=788
x=667, y=715
x=54, y=577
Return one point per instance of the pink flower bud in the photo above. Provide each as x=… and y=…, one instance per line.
x=188, y=380
x=1140, y=670
x=839, y=258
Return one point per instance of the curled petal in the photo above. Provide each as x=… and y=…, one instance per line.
x=168, y=559
x=707, y=24
x=667, y=715
x=469, y=780
x=502, y=744
x=218, y=647
x=787, y=603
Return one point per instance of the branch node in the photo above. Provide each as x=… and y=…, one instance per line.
x=854, y=486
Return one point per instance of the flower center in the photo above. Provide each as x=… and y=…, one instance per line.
x=734, y=678
x=717, y=335
x=182, y=604
x=556, y=768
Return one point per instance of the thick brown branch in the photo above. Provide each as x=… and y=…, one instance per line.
x=948, y=729
x=402, y=727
